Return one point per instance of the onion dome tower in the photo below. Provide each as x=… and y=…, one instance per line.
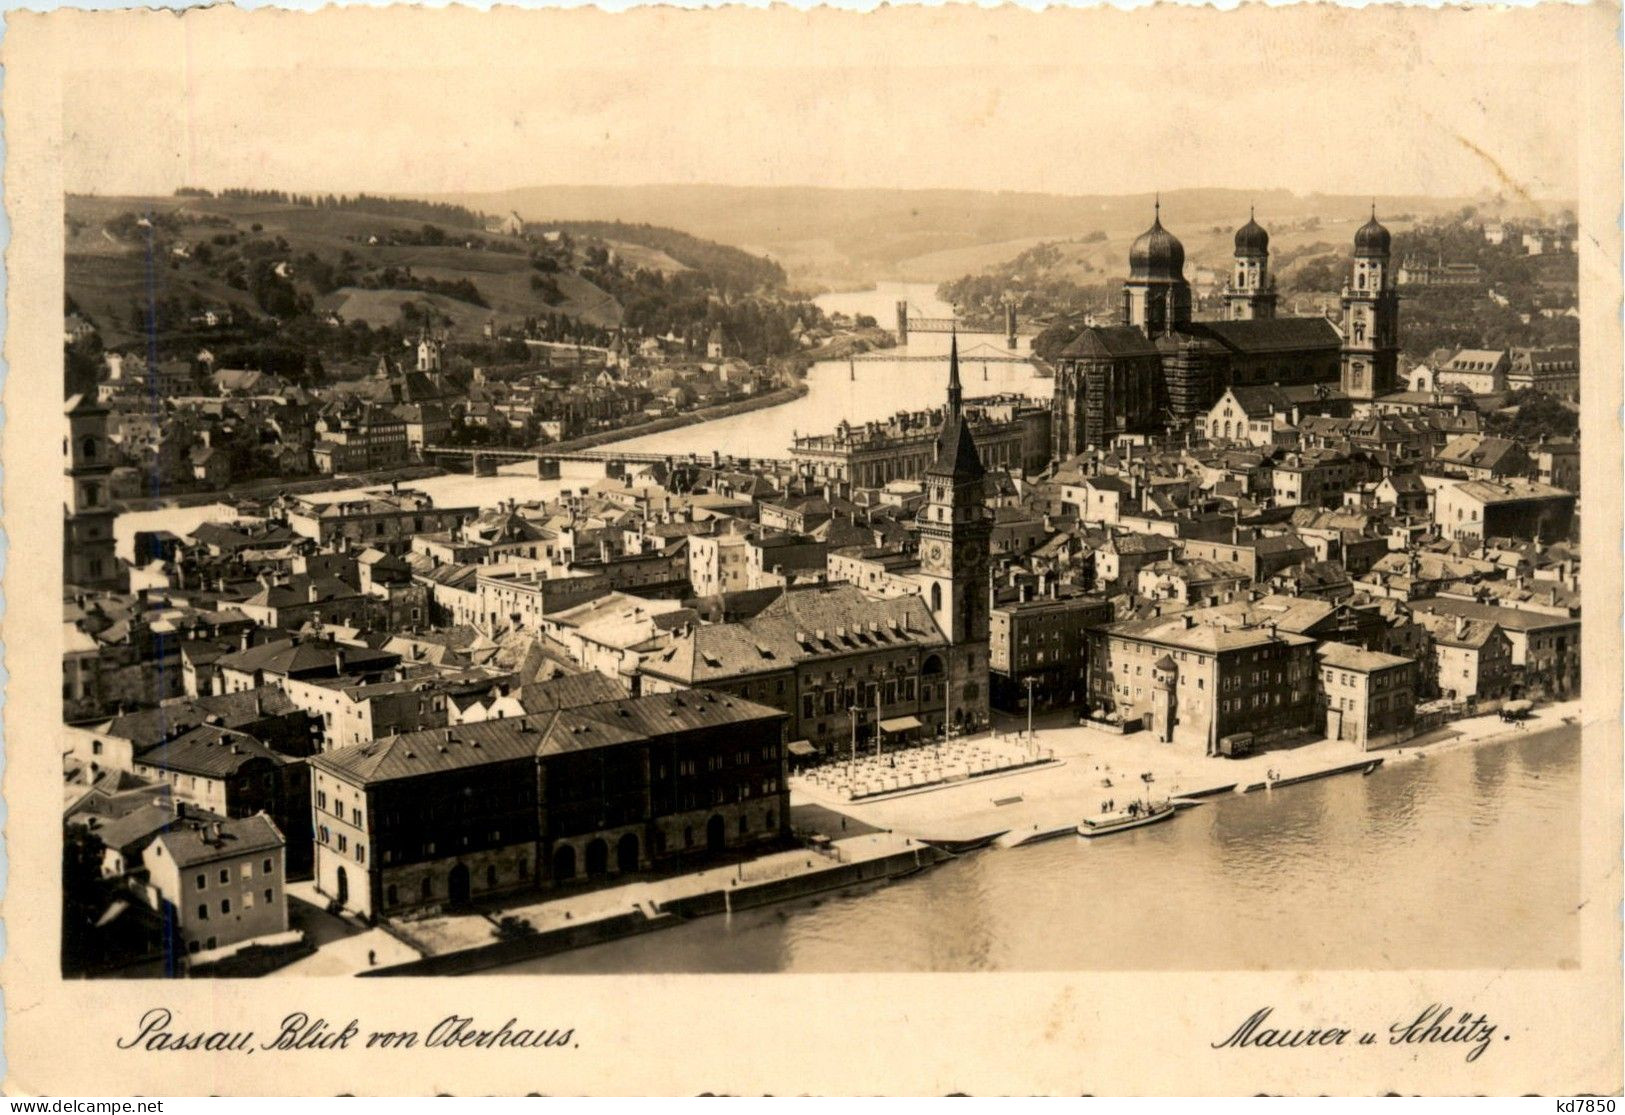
x=1156, y=297
x=1252, y=291
x=1371, y=316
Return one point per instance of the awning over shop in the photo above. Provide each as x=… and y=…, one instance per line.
x=802, y=748
x=900, y=724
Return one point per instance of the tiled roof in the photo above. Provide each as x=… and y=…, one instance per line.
x=553, y=732
x=208, y=751
x=135, y=830
x=1446, y=629
x=1274, y=334
x=1208, y=631
x=1512, y=619
x=1109, y=342
x=852, y=622
x=192, y=844
x=1342, y=656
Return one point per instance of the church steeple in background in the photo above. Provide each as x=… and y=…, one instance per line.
x=955, y=392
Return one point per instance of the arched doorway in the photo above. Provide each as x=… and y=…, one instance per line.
x=564, y=863
x=597, y=857
x=343, y=887
x=457, y=885
x=626, y=853
x=716, y=833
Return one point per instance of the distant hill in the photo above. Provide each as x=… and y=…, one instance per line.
x=321, y=286
x=201, y=252
x=263, y=254
x=836, y=237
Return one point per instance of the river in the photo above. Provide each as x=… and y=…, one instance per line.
x=856, y=392
x=1466, y=859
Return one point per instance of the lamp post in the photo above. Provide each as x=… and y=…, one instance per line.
x=877, y=721
x=1030, y=744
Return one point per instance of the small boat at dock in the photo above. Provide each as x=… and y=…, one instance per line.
x=1122, y=820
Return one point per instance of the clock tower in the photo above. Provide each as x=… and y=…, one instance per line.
x=954, y=577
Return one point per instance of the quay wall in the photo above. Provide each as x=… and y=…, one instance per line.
x=675, y=912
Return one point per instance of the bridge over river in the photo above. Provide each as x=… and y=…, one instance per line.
x=484, y=460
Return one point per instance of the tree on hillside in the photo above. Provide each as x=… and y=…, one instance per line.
x=1325, y=273
x=1538, y=415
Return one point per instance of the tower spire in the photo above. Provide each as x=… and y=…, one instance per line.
x=954, y=391
x=1157, y=209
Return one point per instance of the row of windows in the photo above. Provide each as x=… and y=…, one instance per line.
x=890, y=692
x=225, y=904
x=343, y=843
x=246, y=870
x=338, y=808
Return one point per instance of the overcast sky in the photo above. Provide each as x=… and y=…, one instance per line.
x=1336, y=100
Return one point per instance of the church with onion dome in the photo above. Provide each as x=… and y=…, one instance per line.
x=1159, y=370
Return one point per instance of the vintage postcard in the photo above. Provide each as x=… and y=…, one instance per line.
x=807, y=552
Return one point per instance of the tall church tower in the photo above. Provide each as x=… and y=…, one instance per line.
x=1371, y=317
x=1251, y=294
x=954, y=526
x=88, y=559
x=1156, y=297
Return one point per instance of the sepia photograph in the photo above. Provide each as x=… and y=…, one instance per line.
x=743, y=494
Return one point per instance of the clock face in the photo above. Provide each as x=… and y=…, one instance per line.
x=934, y=551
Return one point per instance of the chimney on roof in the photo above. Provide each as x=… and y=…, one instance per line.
x=1461, y=627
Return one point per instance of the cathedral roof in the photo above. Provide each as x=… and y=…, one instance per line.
x=1157, y=254
x=1372, y=239
x=1277, y=334
x=1179, y=340
x=1251, y=239
x=1105, y=342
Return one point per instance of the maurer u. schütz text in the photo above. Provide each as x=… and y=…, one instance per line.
x=1436, y=1024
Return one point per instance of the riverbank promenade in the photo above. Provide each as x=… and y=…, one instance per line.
x=1092, y=768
